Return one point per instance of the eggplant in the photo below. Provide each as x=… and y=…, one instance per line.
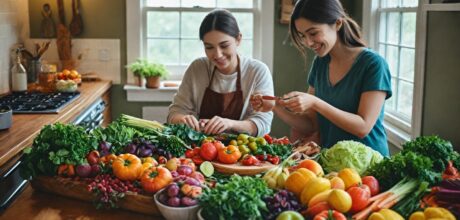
x=144, y=152
x=105, y=146
x=131, y=148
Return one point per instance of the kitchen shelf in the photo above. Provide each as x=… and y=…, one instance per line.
x=441, y=7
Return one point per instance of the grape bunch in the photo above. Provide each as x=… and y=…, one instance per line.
x=109, y=189
x=281, y=201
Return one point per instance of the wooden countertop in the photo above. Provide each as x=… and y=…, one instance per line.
x=37, y=205
x=26, y=126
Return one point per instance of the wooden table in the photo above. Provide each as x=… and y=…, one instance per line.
x=37, y=205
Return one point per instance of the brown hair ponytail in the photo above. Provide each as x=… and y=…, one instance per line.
x=325, y=12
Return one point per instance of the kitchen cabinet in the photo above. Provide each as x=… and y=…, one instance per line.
x=26, y=127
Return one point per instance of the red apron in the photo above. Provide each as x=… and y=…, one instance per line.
x=226, y=105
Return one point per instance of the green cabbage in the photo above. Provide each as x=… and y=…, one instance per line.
x=349, y=154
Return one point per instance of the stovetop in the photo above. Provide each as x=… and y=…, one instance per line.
x=34, y=102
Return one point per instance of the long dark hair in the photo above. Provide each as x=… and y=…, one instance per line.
x=220, y=20
x=325, y=12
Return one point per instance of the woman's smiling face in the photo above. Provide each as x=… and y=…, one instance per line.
x=221, y=48
x=320, y=38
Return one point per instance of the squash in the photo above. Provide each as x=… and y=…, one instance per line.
x=385, y=214
x=314, y=187
x=298, y=179
x=155, y=178
x=339, y=200
x=350, y=177
x=127, y=167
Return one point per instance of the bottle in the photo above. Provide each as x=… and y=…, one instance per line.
x=18, y=75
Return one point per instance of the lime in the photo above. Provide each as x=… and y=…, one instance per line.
x=207, y=168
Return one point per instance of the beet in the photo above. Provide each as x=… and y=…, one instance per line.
x=83, y=170
x=174, y=202
x=187, y=201
x=184, y=170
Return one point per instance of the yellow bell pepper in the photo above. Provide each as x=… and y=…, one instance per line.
x=419, y=215
x=438, y=212
x=385, y=214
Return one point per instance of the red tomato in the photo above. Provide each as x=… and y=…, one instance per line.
x=330, y=215
x=268, y=138
x=360, y=196
x=189, y=153
x=373, y=184
x=208, y=151
x=197, y=160
x=250, y=160
x=219, y=145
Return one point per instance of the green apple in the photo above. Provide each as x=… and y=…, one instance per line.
x=290, y=215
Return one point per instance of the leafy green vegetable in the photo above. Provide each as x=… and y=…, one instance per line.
x=240, y=198
x=349, y=154
x=392, y=170
x=117, y=134
x=283, y=151
x=56, y=144
x=184, y=132
x=410, y=204
x=438, y=150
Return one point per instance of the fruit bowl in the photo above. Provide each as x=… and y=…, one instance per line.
x=66, y=86
x=169, y=212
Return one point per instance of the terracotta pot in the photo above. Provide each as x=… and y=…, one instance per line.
x=140, y=81
x=153, y=82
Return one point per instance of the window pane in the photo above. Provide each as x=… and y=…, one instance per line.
x=191, y=49
x=392, y=59
x=393, y=29
x=382, y=50
x=163, y=51
x=410, y=3
x=405, y=98
x=390, y=103
x=234, y=3
x=191, y=22
x=199, y=3
x=408, y=29
x=383, y=27
x=407, y=64
x=162, y=24
x=162, y=3
x=389, y=3
x=246, y=48
x=245, y=22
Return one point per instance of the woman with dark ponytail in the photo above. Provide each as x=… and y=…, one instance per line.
x=348, y=83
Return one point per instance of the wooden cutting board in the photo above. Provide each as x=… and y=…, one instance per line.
x=240, y=169
x=78, y=190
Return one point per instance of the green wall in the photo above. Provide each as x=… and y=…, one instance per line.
x=441, y=102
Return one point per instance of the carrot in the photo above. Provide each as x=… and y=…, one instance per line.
x=372, y=207
x=389, y=204
x=379, y=196
x=389, y=199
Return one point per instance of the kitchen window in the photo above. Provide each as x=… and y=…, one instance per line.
x=390, y=28
x=169, y=29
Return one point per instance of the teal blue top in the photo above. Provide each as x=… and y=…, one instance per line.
x=369, y=72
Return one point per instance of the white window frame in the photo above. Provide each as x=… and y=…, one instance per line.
x=399, y=131
x=262, y=39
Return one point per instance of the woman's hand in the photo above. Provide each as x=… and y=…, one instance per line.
x=216, y=125
x=190, y=121
x=261, y=104
x=298, y=102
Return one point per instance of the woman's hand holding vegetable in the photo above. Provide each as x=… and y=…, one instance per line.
x=191, y=121
x=216, y=125
x=298, y=102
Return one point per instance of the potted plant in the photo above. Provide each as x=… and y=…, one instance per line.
x=155, y=72
x=152, y=72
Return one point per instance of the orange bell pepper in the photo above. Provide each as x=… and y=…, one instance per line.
x=229, y=155
x=127, y=167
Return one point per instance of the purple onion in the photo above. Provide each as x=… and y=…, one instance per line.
x=173, y=190
x=187, y=201
x=130, y=148
x=174, y=201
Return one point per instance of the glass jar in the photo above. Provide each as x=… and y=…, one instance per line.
x=47, y=77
